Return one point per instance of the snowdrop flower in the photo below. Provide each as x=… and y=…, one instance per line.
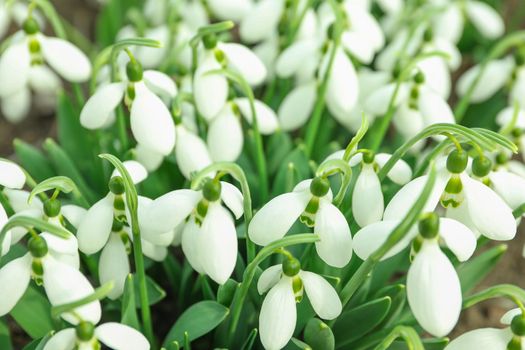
x=433, y=288
x=191, y=152
x=464, y=198
x=209, y=239
x=11, y=176
x=494, y=338
x=417, y=106
x=311, y=202
x=233, y=10
x=149, y=57
x=261, y=20
x=218, y=55
x=286, y=283
x=498, y=73
x=513, y=118
x=62, y=283
x=449, y=23
x=87, y=336
x=151, y=121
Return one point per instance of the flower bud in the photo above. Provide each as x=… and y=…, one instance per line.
x=211, y=190
x=429, y=225
x=428, y=35
x=368, y=157
x=117, y=225
x=209, y=41
x=319, y=186
x=134, y=71
x=457, y=161
x=516, y=132
x=481, y=166
x=52, y=207
x=514, y=343
x=85, y=331
x=116, y=185
x=30, y=26
x=517, y=325
x=37, y=246
x=419, y=78
x=501, y=158
x=291, y=266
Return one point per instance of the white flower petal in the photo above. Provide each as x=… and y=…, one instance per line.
x=233, y=10
x=151, y=122
x=482, y=339
x=378, y=101
x=335, y=245
x=197, y=159
x=269, y=278
x=278, y=315
x=65, y=284
x=261, y=20
x=437, y=75
x=73, y=213
x=217, y=244
x=243, y=60
x=368, y=239
x=114, y=265
x=11, y=175
x=119, y=337
x=16, y=106
x=433, y=290
x=509, y=315
x=190, y=247
x=400, y=172
x=232, y=197
x=170, y=209
x=14, y=68
x=65, y=58
x=276, y=217
x=297, y=106
x=358, y=45
x=19, y=201
x=99, y=107
x=367, y=198
x=136, y=171
x=491, y=215
x=485, y=18
x=94, y=229
x=150, y=159
x=434, y=108
x=448, y=25
x=225, y=137
x=14, y=279
x=266, y=118
x=160, y=83
x=210, y=89
x=322, y=295
x=494, y=77
x=510, y=187
x=343, y=86
x=292, y=58
x=458, y=238
x=62, y=340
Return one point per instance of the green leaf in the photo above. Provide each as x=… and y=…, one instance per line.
x=279, y=146
x=110, y=20
x=248, y=344
x=429, y=344
x=318, y=335
x=38, y=344
x=129, y=310
x=99, y=293
x=5, y=337
x=300, y=162
x=397, y=293
x=65, y=166
x=33, y=160
x=361, y=320
x=155, y=292
x=33, y=313
x=226, y=291
x=198, y=320
x=297, y=344
x=476, y=269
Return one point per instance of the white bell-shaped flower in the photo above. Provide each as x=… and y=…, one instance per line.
x=261, y=20
x=266, y=118
x=311, y=201
x=151, y=121
x=225, y=135
x=209, y=239
x=205, y=81
x=286, y=284
x=191, y=152
x=150, y=57
x=87, y=336
x=233, y=10
x=11, y=175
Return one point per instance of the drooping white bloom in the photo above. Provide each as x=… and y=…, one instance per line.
x=261, y=20
x=278, y=314
x=191, y=152
x=151, y=121
x=114, y=335
x=62, y=283
x=209, y=239
x=311, y=201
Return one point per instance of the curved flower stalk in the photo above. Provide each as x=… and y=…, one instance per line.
x=87, y=336
x=367, y=196
x=105, y=227
x=209, y=239
x=494, y=338
x=416, y=105
x=311, y=202
x=286, y=283
x=464, y=198
x=15, y=12
x=151, y=121
x=23, y=68
x=61, y=282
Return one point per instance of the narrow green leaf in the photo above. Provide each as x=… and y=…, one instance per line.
x=155, y=292
x=33, y=313
x=473, y=271
x=38, y=344
x=199, y=319
x=129, y=310
x=297, y=344
x=226, y=292
x=361, y=320
x=318, y=335
x=5, y=337
x=248, y=344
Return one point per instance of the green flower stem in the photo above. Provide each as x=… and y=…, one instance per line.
x=132, y=205
x=497, y=51
x=238, y=174
x=438, y=149
x=315, y=120
x=249, y=273
x=99, y=293
x=397, y=235
x=512, y=292
x=296, y=22
x=335, y=166
x=408, y=334
x=4, y=202
x=122, y=129
x=49, y=11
